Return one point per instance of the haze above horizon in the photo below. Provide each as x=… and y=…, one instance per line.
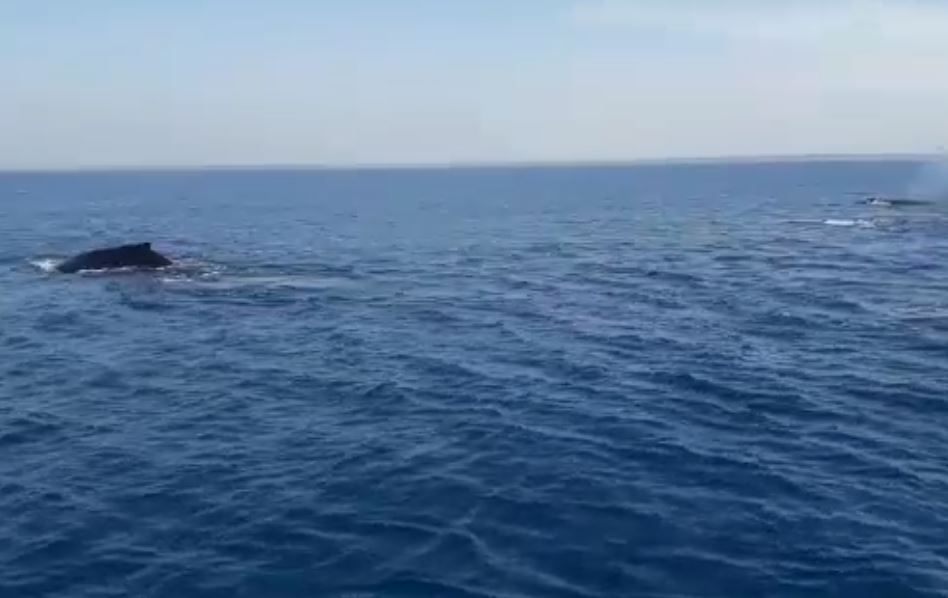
x=208, y=83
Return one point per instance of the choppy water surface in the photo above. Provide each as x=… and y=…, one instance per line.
x=717, y=380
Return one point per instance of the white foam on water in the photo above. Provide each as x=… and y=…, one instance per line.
x=46, y=264
x=191, y=271
x=849, y=222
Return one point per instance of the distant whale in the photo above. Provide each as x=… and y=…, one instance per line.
x=139, y=255
x=894, y=202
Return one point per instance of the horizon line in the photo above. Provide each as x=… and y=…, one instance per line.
x=464, y=165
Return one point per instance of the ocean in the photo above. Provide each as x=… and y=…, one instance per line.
x=665, y=380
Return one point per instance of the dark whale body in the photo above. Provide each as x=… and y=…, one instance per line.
x=139, y=255
x=894, y=202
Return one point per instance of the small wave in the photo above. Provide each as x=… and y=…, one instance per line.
x=186, y=270
x=215, y=281
x=859, y=222
x=841, y=222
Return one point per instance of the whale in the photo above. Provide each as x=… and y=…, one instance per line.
x=894, y=202
x=138, y=255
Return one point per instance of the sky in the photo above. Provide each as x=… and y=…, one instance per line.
x=141, y=83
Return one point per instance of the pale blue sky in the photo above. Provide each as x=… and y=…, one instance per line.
x=97, y=83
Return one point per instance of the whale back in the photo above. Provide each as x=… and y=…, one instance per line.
x=137, y=255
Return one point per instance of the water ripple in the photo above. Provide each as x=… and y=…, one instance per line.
x=369, y=384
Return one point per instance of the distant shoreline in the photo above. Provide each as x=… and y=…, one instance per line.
x=511, y=165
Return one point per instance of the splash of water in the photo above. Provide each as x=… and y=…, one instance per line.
x=45, y=264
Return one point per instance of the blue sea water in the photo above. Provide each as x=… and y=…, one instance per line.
x=710, y=380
